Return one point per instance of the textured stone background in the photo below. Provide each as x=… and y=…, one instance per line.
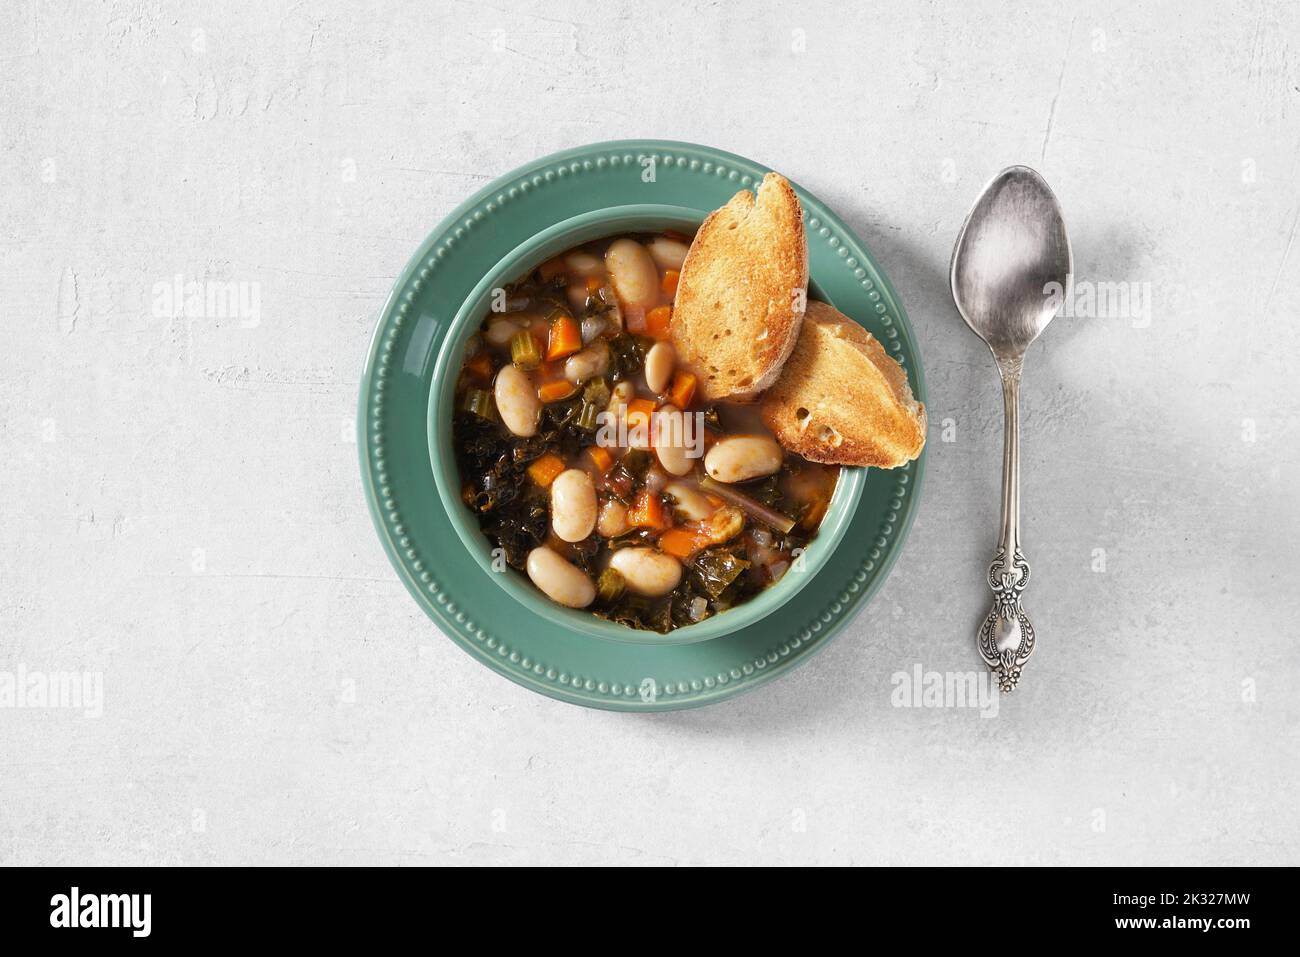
x=183, y=512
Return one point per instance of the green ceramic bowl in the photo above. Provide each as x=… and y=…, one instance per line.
x=596, y=224
x=419, y=533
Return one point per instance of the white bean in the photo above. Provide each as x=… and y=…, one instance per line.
x=633, y=271
x=646, y=571
x=517, y=401
x=562, y=581
x=584, y=264
x=659, y=362
x=591, y=361
x=668, y=253
x=739, y=458
x=613, y=519
x=573, y=505
x=669, y=441
x=689, y=501
x=577, y=295
x=500, y=330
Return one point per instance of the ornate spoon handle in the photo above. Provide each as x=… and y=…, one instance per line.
x=1006, y=638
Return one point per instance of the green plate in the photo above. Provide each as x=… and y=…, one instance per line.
x=416, y=532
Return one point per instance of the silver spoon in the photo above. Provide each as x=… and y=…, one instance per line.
x=1011, y=269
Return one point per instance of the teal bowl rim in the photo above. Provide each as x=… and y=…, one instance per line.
x=596, y=224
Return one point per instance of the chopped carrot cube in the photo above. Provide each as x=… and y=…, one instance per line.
x=557, y=390
x=669, y=282
x=657, y=321
x=681, y=542
x=682, y=390
x=600, y=458
x=639, y=412
x=647, y=511
x=566, y=337
x=545, y=469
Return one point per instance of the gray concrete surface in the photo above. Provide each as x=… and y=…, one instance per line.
x=183, y=514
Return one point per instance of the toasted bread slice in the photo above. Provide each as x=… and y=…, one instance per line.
x=741, y=295
x=841, y=399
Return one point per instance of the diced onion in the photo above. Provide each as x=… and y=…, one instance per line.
x=592, y=326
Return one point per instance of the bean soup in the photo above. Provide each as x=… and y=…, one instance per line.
x=592, y=468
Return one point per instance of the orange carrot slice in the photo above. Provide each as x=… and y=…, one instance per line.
x=545, y=469
x=555, y=391
x=647, y=511
x=639, y=412
x=680, y=542
x=682, y=391
x=565, y=339
x=657, y=321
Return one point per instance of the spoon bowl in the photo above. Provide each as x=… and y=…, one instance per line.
x=1012, y=262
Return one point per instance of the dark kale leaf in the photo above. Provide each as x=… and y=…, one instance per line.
x=513, y=512
x=627, y=355
x=767, y=491
x=558, y=415
x=713, y=570
x=584, y=553
x=712, y=421
x=518, y=528
x=637, y=536
x=634, y=611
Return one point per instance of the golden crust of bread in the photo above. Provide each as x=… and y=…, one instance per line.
x=742, y=290
x=841, y=399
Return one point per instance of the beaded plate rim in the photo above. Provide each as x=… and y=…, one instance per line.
x=650, y=694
